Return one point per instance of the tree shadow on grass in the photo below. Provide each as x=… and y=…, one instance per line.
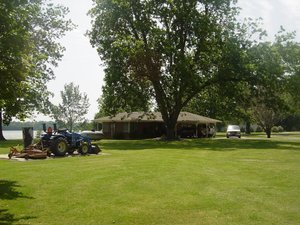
x=8, y=191
x=7, y=218
x=200, y=144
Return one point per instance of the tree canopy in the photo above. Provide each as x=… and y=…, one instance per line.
x=120, y=93
x=29, y=48
x=176, y=49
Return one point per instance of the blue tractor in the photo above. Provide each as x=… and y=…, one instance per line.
x=61, y=141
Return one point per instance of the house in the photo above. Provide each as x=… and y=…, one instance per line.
x=138, y=125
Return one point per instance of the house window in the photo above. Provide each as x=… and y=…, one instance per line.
x=125, y=127
x=106, y=127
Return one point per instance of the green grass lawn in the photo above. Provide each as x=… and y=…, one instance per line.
x=251, y=180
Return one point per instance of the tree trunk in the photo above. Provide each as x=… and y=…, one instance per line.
x=169, y=115
x=170, y=123
x=268, y=132
x=170, y=133
x=248, y=127
x=1, y=130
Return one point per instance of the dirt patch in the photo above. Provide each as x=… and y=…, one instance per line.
x=5, y=157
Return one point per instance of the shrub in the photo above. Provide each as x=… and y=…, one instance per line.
x=275, y=129
x=280, y=129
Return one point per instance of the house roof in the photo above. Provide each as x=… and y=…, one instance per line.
x=155, y=117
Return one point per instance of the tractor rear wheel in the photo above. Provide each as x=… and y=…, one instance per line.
x=84, y=149
x=59, y=147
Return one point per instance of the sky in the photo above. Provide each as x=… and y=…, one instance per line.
x=81, y=63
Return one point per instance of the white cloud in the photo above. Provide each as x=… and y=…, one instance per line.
x=274, y=13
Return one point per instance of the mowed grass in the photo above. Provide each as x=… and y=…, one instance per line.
x=251, y=180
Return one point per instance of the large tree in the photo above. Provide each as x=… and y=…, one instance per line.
x=277, y=64
x=73, y=107
x=29, y=48
x=265, y=99
x=178, y=48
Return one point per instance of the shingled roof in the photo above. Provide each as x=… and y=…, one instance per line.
x=155, y=117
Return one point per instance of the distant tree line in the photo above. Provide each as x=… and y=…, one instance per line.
x=19, y=125
x=38, y=125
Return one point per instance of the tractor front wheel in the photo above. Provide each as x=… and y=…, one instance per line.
x=59, y=147
x=84, y=149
